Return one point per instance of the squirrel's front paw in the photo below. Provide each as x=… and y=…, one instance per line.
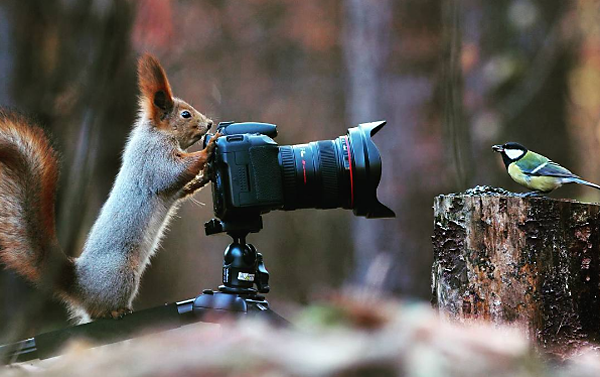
x=210, y=148
x=116, y=314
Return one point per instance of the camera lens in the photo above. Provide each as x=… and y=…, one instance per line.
x=344, y=172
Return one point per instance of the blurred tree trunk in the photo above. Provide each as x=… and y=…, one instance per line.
x=456, y=129
x=367, y=46
x=393, y=60
x=72, y=70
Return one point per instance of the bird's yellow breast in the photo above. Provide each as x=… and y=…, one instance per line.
x=544, y=184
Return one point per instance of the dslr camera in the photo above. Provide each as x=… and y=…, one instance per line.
x=251, y=175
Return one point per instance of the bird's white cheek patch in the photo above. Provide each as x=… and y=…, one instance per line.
x=513, y=154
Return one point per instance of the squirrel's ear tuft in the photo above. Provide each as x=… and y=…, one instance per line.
x=154, y=87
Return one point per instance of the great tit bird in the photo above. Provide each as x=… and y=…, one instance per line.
x=535, y=171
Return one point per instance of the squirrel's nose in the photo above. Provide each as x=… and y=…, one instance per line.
x=209, y=124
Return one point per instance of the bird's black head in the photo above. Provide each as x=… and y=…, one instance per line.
x=510, y=151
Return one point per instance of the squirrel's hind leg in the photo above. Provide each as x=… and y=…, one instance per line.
x=117, y=314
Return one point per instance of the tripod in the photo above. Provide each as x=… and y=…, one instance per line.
x=243, y=269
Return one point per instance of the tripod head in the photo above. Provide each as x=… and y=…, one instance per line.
x=243, y=269
x=243, y=265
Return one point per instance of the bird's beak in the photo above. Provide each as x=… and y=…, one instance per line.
x=498, y=148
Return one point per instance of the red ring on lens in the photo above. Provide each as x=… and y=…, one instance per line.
x=351, y=178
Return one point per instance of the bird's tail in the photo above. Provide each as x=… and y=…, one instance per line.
x=583, y=182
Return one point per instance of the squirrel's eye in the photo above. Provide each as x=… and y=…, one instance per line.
x=186, y=114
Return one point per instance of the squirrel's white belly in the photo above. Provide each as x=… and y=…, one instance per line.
x=115, y=264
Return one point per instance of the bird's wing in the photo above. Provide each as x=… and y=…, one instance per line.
x=537, y=165
x=552, y=169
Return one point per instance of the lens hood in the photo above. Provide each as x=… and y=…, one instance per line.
x=366, y=171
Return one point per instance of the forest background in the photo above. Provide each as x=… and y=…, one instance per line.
x=450, y=77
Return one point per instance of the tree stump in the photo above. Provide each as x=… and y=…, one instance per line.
x=533, y=261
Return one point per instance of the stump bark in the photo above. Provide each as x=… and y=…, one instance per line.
x=528, y=260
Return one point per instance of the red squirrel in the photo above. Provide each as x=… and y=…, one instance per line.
x=155, y=176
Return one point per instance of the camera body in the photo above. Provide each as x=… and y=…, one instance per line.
x=247, y=177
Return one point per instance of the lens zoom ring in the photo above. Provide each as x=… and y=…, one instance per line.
x=329, y=174
x=289, y=177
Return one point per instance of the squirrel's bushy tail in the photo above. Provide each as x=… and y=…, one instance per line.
x=28, y=180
